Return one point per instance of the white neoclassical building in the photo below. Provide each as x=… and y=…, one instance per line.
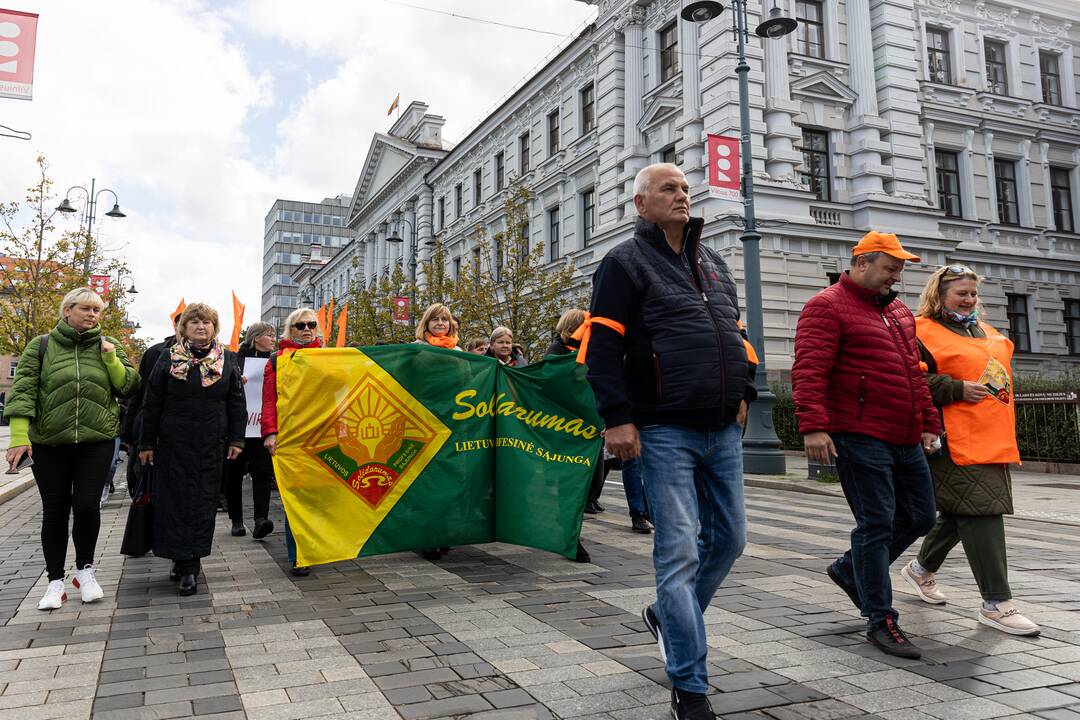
x=953, y=123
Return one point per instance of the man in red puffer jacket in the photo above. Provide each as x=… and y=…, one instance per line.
x=861, y=398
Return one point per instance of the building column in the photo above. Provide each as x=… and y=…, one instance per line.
x=780, y=132
x=991, y=177
x=1074, y=186
x=1024, y=190
x=967, y=177
x=931, y=164
x=382, y=256
x=411, y=246
x=633, y=156
x=691, y=124
x=425, y=227
x=867, y=168
x=369, y=259
x=1048, y=203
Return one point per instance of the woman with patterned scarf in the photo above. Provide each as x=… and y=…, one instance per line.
x=968, y=369
x=194, y=405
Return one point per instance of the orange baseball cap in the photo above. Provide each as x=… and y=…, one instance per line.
x=887, y=243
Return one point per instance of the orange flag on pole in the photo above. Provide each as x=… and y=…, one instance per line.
x=328, y=327
x=321, y=318
x=342, y=324
x=175, y=314
x=238, y=322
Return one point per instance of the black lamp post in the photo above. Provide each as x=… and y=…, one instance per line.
x=762, y=453
x=91, y=211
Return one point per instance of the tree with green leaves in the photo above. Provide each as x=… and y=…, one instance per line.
x=38, y=266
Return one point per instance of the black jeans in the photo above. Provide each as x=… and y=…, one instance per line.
x=70, y=479
x=256, y=461
x=890, y=493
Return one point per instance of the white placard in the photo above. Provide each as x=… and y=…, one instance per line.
x=253, y=371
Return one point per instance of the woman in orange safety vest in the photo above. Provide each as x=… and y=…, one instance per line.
x=968, y=370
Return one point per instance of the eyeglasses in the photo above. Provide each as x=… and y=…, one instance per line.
x=306, y=325
x=959, y=270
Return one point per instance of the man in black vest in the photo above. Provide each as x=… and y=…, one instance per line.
x=672, y=381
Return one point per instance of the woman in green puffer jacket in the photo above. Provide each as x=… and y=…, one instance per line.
x=63, y=415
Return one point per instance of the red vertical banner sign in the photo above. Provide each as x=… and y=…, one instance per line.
x=724, y=167
x=401, y=311
x=99, y=284
x=342, y=325
x=18, y=38
x=238, y=322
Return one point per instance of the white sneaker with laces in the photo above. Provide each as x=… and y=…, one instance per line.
x=924, y=584
x=1006, y=618
x=54, y=596
x=88, y=585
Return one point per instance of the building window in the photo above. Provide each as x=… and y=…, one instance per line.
x=668, y=155
x=815, y=172
x=588, y=110
x=997, y=73
x=499, y=249
x=810, y=39
x=457, y=200
x=1072, y=326
x=938, y=56
x=553, y=235
x=1061, y=199
x=669, y=51
x=1051, y=77
x=1005, y=181
x=553, y=132
x=457, y=267
x=948, y=182
x=588, y=215
x=1019, y=330
x=833, y=277
x=476, y=260
x=477, y=186
x=11, y=369
x=442, y=212
x=523, y=153
x=526, y=240
x=499, y=172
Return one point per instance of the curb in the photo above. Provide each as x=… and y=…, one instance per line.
x=16, y=488
x=759, y=482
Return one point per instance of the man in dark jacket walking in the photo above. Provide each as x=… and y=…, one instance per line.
x=672, y=381
x=861, y=398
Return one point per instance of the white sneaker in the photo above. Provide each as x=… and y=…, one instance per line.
x=54, y=597
x=924, y=584
x=1006, y=618
x=88, y=585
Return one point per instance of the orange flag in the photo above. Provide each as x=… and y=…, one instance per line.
x=342, y=322
x=238, y=322
x=175, y=315
x=321, y=318
x=327, y=328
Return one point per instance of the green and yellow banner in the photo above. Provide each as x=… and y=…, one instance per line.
x=406, y=447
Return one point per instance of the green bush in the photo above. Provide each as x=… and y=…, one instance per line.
x=1043, y=432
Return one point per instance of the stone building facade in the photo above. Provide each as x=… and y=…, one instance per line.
x=953, y=123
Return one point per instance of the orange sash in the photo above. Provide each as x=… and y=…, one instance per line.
x=751, y=353
x=981, y=433
x=584, y=332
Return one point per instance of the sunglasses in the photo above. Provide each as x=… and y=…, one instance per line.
x=306, y=325
x=959, y=270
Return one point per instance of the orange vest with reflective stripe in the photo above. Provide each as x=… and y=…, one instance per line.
x=981, y=433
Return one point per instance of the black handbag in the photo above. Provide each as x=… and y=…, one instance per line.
x=139, y=532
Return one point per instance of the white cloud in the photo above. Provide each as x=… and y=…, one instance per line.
x=156, y=99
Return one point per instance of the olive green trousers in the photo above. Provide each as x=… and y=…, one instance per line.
x=983, y=538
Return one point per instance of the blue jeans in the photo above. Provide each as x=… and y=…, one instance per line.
x=631, y=482
x=891, y=494
x=290, y=542
x=694, y=484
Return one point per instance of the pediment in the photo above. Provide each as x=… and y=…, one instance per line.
x=659, y=109
x=385, y=158
x=823, y=87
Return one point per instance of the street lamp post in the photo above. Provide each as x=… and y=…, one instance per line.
x=762, y=453
x=91, y=212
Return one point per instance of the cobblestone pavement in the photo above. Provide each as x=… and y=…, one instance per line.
x=506, y=633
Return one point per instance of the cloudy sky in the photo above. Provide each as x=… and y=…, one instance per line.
x=200, y=114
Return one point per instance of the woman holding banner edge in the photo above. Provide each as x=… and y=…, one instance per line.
x=260, y=341
x=301, y=331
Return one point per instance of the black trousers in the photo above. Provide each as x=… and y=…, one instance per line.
x=256, y=461
x=70, y=479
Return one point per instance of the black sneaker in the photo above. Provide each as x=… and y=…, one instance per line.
x=300, y=570
x=652, y=624
x=889, y=638
x=263, y=527
x=690, y=706
x=593, y=508
x=641, y=524
x=582, y=554
x=238, y=529
x=851, y=590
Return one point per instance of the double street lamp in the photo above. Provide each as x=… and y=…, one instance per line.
x=762, y=453
x=91, y=212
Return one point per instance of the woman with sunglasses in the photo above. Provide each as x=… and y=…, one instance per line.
x=301, y=331
x=968, y=370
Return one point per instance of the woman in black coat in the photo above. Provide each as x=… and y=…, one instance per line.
x=194, y=404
